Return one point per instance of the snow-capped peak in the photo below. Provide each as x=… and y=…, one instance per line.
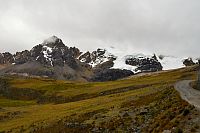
x=52, y=39
x=53, y=42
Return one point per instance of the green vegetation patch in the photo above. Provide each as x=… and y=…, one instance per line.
x=14, y=103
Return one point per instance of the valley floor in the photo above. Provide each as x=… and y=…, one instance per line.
x=147, y=103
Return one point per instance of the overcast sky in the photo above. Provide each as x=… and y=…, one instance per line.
x=162, y=26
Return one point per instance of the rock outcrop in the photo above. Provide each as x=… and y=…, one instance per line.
x=144, y=64
x=188, y=62
x=6, y=58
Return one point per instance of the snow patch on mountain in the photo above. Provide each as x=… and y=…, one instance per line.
x=171, y=62
x=121, y=57
x=168, y=62
x=98, y=61
x=120, y=62
x=101, y=59
x=47, y=52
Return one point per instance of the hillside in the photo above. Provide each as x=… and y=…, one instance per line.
x=147, y=103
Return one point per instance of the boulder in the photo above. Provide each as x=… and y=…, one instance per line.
x=188, y=62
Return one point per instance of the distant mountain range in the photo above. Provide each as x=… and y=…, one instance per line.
x=54, y=59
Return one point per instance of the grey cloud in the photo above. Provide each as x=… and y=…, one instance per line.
x=160, y=26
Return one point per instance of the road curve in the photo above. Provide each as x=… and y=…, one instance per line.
x=187, y=93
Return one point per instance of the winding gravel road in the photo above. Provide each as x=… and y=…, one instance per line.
x=187, y=93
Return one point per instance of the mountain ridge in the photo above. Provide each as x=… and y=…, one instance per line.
x=52, y=58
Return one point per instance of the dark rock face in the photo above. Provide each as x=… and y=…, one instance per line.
x=36, y=51
x=188, y=62
x=111, y=74
x=198, y=61
x=86, y=57
x=22, y=57
x=56, y=57
x=105, y=65
x=145, y=64
x=74, y=52
x=6, y=58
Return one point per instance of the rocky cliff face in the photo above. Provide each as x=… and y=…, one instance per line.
x=188, y=62
x=6, y=58
x=144, y=64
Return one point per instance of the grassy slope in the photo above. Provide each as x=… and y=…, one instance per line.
x=4, y=102
x=141, y=103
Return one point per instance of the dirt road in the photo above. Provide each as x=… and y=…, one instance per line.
x=187, y=93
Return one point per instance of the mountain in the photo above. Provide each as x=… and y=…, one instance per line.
x=52, y=58
x=49, y=59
